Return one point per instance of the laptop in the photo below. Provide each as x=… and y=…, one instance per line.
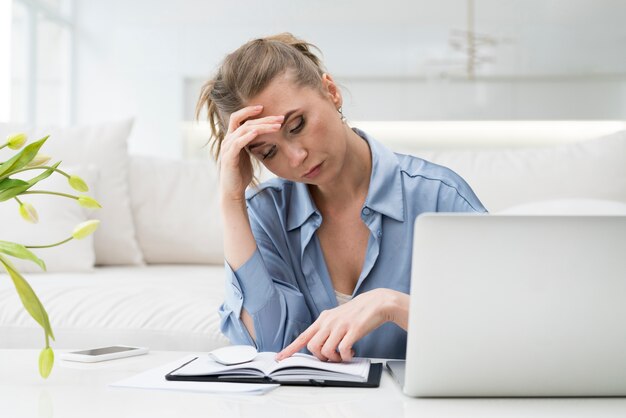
x=513, y=305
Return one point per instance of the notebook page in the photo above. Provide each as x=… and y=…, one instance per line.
x=357, y=367
x=263, y=364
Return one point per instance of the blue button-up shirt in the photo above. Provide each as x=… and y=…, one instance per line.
x=285, y=285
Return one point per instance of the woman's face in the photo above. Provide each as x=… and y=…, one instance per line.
x=310, y=147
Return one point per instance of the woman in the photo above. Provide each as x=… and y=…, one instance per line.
x=318, y=258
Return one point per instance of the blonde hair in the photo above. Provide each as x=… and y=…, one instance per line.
x=247, y=71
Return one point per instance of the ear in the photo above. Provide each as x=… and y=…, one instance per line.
x=330, y=90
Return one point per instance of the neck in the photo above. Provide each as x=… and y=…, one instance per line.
x=352, y=182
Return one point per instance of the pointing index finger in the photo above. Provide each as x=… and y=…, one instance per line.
x=298, y=344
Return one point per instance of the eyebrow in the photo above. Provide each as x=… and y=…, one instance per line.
x=287, y=116
x=258, y=144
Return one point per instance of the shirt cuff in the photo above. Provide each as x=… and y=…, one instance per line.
x=250, y=286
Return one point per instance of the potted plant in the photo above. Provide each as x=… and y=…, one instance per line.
x=14, y=189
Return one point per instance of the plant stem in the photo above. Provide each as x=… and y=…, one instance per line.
x=43, y=167
x=4, y=145
x=47, y=192
x=51, y=245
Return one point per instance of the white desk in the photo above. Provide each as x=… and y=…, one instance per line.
x=81, y=390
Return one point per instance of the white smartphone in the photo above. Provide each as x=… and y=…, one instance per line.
x=103, y=353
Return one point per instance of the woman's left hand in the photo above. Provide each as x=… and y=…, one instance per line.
x=332, y=335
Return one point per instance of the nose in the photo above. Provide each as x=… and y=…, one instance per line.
x=296, y=155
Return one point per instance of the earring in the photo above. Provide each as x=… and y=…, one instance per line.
x=340, y=110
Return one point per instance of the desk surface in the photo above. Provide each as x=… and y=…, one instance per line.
x=81, y=390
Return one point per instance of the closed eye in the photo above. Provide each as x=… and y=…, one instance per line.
x=270, y=153
x=299, y=127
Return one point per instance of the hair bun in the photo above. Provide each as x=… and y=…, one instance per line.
x=302, y=46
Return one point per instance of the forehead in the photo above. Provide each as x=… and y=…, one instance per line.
x=283, y=94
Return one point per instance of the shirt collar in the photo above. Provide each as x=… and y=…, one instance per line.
x=384, y=195
x=301, y=206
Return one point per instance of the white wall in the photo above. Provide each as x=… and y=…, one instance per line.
x=5, y=62
x=556, y=59
x=524, y=99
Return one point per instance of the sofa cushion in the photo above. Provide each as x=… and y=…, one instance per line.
x=176, y=210
x=57, y=218
x=104, y=146
x=593, y=169
x=163, y=307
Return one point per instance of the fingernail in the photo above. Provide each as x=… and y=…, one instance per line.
x=258, y=106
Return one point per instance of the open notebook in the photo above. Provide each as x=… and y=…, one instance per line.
x=300, y=369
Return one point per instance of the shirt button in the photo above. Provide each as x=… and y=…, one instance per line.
x=380, y=233
x=366, y=211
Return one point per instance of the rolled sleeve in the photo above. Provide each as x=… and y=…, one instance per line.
x=274, y=308
x=251, y=280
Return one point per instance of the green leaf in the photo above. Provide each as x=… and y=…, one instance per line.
x=19, y=251
x=19, y=189
x=22, y=158
x=31, y=302
x=9, y=183
x=13, y=191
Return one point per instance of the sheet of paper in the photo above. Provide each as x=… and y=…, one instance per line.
x=155, y=379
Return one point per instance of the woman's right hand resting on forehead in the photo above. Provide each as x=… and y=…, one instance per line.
x=235, y=166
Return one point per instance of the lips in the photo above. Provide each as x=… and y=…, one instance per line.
x=312, y=172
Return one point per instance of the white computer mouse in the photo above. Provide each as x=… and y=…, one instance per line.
x=233, y=354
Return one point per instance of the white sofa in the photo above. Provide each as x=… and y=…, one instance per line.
x=159, y=275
